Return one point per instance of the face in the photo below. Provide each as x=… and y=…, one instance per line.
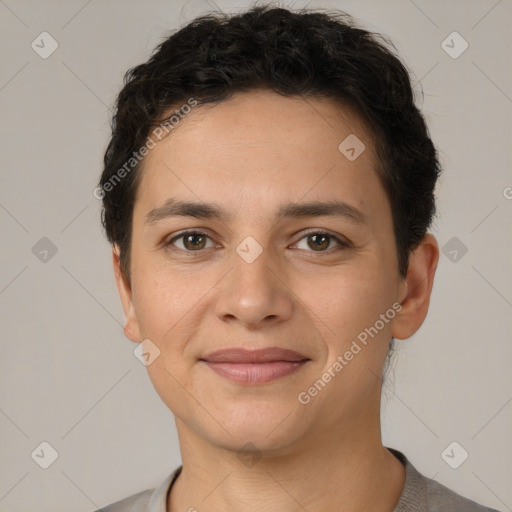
x=254, y=265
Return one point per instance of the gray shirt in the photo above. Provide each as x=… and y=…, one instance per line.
x=420, y=494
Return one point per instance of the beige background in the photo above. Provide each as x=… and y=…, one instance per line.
x=68, y=375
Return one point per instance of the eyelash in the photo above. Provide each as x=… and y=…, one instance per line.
x=342, y=244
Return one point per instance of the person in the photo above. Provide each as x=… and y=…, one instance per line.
x=267, y=191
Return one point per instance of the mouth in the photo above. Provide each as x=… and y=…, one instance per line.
x=255, y=366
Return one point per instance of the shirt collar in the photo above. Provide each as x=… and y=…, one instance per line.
x=158, y=500
x=413, y=483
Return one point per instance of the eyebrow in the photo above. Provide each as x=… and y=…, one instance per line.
x=175, y=208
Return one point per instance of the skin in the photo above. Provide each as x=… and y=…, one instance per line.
x=251, y=154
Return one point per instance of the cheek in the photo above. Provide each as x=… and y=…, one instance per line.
x=346, y=304
x=346, y=297
x=167, y=307
x=163, y=301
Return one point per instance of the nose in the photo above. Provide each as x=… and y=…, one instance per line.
x=254, y=294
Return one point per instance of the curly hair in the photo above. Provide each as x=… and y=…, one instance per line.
x=307, y=53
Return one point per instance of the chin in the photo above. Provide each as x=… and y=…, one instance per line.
x=252, y=440
x=269, y=427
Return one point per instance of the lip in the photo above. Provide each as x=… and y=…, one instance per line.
x=255, y=366
x=262, y=355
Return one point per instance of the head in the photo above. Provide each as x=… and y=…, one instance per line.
x=312, y=174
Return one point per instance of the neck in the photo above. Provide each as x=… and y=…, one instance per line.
x=342, y=469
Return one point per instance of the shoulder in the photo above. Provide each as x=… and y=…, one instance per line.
x=422, y=494
x=442, y=499
x=150, y=500
x=135, y=503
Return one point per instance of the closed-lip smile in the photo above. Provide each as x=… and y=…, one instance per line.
x=257, y=366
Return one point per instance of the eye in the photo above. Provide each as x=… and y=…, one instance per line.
x=322, y=241
x=191, y=241
x=317, y=241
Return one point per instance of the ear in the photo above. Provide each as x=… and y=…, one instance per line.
x=131, y=326
x=418, y=285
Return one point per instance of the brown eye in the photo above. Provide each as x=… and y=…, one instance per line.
x=318, y=241
x=190, y=241
x=195, y=241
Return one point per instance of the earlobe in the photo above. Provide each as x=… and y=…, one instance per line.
x=131, y=327
x=419, y=282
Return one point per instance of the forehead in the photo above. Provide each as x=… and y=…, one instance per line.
x=260, y=148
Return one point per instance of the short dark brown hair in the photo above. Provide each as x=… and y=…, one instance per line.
x=294, y=53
